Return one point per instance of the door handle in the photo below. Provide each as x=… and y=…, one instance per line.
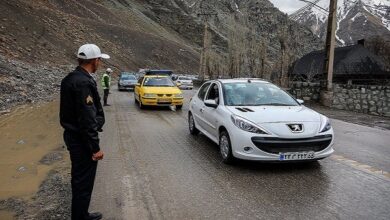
x=202, y=110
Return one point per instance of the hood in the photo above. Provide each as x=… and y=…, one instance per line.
x=275, y=119
x=161, y=90
x=273, y=114
x=184, y=81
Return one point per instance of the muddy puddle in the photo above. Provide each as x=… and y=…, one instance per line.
x=30, y=145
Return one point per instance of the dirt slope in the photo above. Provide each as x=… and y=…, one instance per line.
x=40, y=31
x=39, y=39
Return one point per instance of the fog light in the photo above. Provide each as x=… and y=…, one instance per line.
x=248, y=149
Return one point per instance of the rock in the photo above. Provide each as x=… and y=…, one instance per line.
x=21, y=142
x=358, y=107
x=22, y=169
x=4, y=111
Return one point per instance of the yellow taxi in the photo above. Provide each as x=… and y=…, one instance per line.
x=154, y=90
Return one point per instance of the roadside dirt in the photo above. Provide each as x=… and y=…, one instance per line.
x=34, y=167
x=353, y=117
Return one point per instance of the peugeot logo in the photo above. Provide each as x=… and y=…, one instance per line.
x=296, y=128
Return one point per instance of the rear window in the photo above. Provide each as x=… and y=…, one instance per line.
x=128, y=77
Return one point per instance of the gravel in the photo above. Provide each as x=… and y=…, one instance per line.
x=23, y=83
x=52, y=201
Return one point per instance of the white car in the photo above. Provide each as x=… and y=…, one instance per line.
x=185, y=82
x=253, y=119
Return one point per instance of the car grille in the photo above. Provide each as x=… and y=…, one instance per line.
x=281, y=145
x=162, y=95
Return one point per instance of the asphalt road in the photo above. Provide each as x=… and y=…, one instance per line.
x=154, y=169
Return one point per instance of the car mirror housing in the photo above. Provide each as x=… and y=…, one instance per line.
x=211, y=103
x=138, y=84
x=300, y=101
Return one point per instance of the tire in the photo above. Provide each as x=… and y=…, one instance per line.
x=141, y=106
x=179, y=107
x=191, y=125
x=225, y=148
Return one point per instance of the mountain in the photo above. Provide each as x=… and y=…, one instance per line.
x=356, y=19
x=39, y=39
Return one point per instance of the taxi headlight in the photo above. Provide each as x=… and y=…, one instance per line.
x=178, y=95
x=246, y=125
x=150, y=95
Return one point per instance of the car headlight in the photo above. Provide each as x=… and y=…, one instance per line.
x=246, y=125
x=325, y=124
x=178, y=95
x=150, y=95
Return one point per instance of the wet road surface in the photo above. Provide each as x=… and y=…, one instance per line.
x=154, y=169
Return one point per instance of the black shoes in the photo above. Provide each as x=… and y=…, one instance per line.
x=94, y=216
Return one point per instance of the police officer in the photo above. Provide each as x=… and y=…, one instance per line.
x=82, y=117
x=106, y=82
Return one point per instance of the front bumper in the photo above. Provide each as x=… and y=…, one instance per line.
x=127, y=87
x=162, y=101
x=267, y=148
x=186, y=86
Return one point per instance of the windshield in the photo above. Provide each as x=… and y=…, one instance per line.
x=184, y=78
x=159, y=82
x=256, y=94
x=128, y=77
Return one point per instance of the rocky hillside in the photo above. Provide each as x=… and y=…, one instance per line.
x=357, y=19
x=259, y=16
x=38, y=39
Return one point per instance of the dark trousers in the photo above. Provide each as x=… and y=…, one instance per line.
x=83, y=175
x=105, y=97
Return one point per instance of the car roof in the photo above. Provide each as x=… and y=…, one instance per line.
x=156, y=76
x=158, y=72
x=241, y=80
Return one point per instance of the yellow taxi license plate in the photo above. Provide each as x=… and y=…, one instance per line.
x=164, y=100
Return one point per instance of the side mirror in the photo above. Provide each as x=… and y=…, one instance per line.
x=211, y=103
x=300, y=101
x=138, y=84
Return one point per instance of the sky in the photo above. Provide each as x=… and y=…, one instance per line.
x=288, y=6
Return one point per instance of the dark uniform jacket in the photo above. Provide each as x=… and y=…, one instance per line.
x=81, y=112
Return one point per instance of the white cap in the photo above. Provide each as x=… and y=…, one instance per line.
x=91, y=51
x=109, y=70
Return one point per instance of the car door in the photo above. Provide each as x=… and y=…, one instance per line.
x=138, y=87
x=211, y=114
x=197, y=105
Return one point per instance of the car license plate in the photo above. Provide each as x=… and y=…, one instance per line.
x=164, y=100
x=296, y=155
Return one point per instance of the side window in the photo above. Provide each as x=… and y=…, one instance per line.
x=203, y=90
x=213, y=93
x=140, y=80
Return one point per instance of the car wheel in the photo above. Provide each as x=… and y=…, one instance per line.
x=141, y=106
x=179, y=107
x=191, y=125
x=225, y=148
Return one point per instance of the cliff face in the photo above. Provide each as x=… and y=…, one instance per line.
x=258, y=16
